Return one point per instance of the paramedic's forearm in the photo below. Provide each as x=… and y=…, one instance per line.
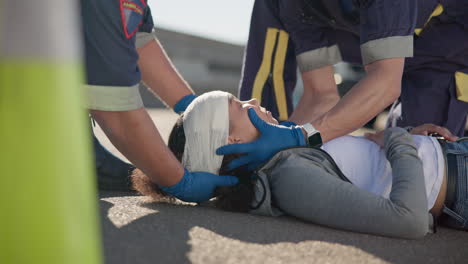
x=320, y=95
x=160, y=75
x=312, y=106
x=365, y=100
x=136, y=137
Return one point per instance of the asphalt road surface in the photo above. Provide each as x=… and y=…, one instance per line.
x=138, y=231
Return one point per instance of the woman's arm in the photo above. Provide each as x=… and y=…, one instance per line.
x=314, y=195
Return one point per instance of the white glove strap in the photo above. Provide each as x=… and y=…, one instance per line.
x=310, y=129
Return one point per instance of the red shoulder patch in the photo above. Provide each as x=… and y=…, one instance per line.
x=132, y=12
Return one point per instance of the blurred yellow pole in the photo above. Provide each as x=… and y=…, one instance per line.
x=48, y=200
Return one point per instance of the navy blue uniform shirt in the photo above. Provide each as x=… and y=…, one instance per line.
x=109, y=29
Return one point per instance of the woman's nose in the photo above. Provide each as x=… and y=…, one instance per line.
x=253, y=101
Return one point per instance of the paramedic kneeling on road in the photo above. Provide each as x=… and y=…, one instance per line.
x=379, y=34
x=112, y=86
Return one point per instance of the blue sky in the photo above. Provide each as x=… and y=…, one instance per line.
x=224, y=20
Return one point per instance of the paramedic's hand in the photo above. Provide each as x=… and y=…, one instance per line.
x=273, y=138
x=198, y=186
x=180, y=106
x=377, y=138
x=433, y=130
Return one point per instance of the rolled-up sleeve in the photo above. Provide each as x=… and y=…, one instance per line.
x=145, y=32
x=317, y=58
x=314, y=48
x=387, y=28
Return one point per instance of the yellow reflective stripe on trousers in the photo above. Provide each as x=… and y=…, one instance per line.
x=49, y=187
x=278, y=73
x=437, y=11
x=265, y=67
x=461, y=81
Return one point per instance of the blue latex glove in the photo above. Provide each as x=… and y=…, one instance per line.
x=180, y=106
x=272, y=139
x=288, y=124
x=198, y=186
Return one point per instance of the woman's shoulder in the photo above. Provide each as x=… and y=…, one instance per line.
x=294, y=155
x=301, y=160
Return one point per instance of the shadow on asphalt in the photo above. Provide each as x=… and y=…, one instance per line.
x=164, y=236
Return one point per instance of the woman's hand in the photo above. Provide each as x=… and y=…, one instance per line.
x=431, y=129
x=378, y=137
x=423, y=130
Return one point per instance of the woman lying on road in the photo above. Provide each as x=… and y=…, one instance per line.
x=392, y=183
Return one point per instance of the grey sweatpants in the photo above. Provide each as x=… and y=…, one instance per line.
x=303, y=189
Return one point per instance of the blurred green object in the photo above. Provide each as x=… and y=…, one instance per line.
x=48, y=199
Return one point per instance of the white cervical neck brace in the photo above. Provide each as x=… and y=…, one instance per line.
x=206, y=128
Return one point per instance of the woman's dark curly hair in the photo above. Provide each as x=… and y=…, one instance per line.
x=232, y=198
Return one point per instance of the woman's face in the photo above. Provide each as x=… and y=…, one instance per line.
x=241, y=129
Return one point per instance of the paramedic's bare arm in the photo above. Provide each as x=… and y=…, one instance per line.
x=136, y=137
x=142, y=144
x=160, y=75
x=320, y=95
x=377, y=90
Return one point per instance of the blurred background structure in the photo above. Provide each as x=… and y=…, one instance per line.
x=206, y=64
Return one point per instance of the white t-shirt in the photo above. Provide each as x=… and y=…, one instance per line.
x=366, y=166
